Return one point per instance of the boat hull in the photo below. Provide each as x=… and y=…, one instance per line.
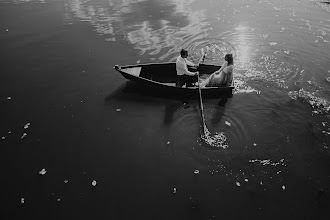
x=160, y=79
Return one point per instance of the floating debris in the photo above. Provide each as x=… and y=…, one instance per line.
x=24, y=135
x=283, y=187
x=268, y=162
x=255, y=144
x=118, y=110
x=7, y=30
x=168, y=142
x=246, y=180
x=287, y=51
x=261, y=183
x=272, y=43
x=22, y=200
x=174, y=190
x=26, y=126
x=3, y=137
x=227, y=123
x=59, y=199
x=238, y=184
x=43, y=171
x=138, y=61
x=8, y=98
x=66, y=181
x=93, y=183
x=196, y=172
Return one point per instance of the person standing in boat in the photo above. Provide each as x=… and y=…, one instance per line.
x=222, y=77
x=184, y=75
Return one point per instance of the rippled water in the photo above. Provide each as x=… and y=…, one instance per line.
x=84, y=126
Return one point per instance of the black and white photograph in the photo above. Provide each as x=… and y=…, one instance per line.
x=165, y=109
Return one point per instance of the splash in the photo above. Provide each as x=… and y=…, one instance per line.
x=242, y=87
x=218, y=140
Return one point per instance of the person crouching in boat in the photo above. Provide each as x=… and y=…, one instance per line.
x=184, y=75
x=222, y=77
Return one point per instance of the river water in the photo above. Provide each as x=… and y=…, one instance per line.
x=112, y=154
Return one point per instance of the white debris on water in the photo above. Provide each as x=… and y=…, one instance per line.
x=22, y=200
x=238, y=184
x=319, y=105
x=43, y=171
x=8, y=98
x=3, y=137
x=196, y=172
x=66, y=181
x=174, y=190
x=118, y=110
x=283, y=187
x=138, y=61
x=24, y=135
x=287, y=51
x=272, y=43
x=255, y=144
x=27, y=125
x=261, y=183
x=93, y=183
x=227, y=123
x=268, y=162
x=246, y=180
x=168, y=142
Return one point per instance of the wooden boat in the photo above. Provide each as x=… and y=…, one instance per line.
x=161, y=78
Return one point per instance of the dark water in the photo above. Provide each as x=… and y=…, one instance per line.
x=64, y=109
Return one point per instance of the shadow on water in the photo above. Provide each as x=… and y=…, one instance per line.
x=171, y=108
x=132, y=91
x=219, y=113
x=174, y=108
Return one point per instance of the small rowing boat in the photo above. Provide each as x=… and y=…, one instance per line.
x=162, y=78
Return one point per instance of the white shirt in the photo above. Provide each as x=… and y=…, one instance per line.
x=181, y=66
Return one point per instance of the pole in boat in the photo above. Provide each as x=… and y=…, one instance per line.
x=200, y=95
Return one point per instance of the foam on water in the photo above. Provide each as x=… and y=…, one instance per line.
x=217, y=140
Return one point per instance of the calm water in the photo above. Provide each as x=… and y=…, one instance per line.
x=64, y=109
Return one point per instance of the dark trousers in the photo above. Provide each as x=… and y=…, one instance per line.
x=185, y=79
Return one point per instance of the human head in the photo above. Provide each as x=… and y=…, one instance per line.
x=184, y=53
x=229, y=58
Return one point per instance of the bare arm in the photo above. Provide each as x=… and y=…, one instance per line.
x=190, y=63
x=222, y=67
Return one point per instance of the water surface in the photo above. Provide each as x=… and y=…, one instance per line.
x=65, y=109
